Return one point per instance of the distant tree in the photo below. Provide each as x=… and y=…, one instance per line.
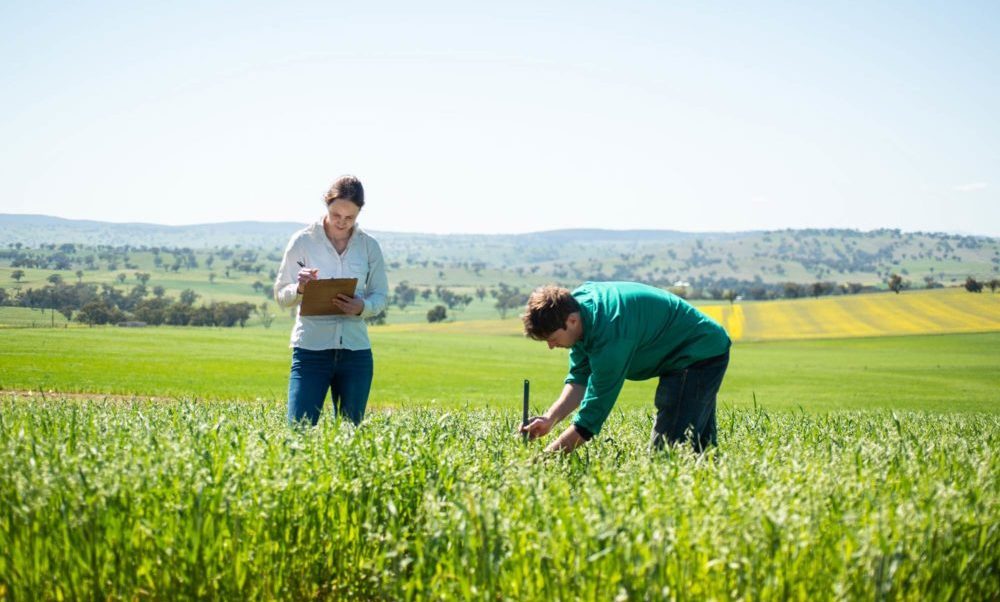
x=993, y=284
x=121, y=277
x=142, y=277
x=791, y=290
x=438, y=314
x=79, y=275
x=99, y=311
x=426, y=294
x=17, y=275
x=188, y=296
x=159, y=291
x=481, y=293
x=257, y=286
x=211, y=277
x=223, y=314
x=822, y=288
x=451, y=298
x=134, y=297
x=404, y=294
x=508, y=298
x=895, y=283
x=152, y=311
x=266, y=317
x=973, y=286
x=729, y=295
x=55, y=279
x=178, y=314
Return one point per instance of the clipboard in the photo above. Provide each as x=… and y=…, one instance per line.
x=317, y=295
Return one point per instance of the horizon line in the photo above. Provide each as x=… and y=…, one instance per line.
x=526, y=233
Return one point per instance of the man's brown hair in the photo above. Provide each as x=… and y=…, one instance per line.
x=346, y=188
x=547, y=310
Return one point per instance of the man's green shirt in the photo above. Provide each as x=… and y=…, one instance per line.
x=636, y=332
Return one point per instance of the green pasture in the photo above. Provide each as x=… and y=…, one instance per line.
x=444, y=367
x=238, y=287
x=29, y=317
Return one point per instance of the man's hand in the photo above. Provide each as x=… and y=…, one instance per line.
x=538, y=426
x=569, y=440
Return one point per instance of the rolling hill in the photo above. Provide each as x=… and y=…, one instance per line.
x=712, y=261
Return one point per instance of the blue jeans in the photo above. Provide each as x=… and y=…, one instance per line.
x=685, y=404
x=346, y=374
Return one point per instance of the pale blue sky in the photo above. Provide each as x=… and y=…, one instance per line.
x=506, y=117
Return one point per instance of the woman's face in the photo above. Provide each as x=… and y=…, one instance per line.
x=341, y=216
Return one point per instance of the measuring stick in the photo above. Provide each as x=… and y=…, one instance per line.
x=524, y=409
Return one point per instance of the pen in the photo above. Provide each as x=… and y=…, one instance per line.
x=301, y=265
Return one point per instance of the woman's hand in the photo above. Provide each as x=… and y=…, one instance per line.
x=304, y=276
x=352, y=306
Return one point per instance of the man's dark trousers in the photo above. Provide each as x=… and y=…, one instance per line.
x=685, y=404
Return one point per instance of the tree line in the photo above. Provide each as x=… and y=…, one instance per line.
x=506, y=298
x=91, y=304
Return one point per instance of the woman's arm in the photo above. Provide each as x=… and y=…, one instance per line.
x=286, y=283
x=377, y=288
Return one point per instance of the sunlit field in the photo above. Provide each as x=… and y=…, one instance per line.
x=27, y=317
x=913, y=312
x=185, y=500
x=442, y=367
x=156, y=463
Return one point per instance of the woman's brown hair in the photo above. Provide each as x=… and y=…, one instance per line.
x=346, y=188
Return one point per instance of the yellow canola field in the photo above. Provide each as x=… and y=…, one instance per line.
x=937, y=311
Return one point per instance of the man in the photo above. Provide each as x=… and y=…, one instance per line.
x=619, y=330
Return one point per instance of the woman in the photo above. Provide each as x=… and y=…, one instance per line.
x=333, y=352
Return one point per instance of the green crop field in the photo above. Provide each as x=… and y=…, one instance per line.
x=27, y=317
x=441, y=366
x=121, y=500
x=156, y=463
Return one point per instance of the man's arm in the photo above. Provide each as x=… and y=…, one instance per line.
x=609, y=370
x=569, y=440
x=595, y=400
x=569, y=400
